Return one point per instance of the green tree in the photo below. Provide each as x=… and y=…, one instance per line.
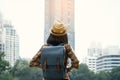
x=103, y=75
x=115, y=73
x=83, y=73
x=4, y=68
x=4, y=65
x=6, y=76
x=22, y=71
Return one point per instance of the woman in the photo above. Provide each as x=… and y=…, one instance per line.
x=58, y=35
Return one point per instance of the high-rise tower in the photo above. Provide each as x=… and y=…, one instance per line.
x=9, y=41
x=60, y=10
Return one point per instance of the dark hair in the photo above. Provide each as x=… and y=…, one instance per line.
x=56, y=40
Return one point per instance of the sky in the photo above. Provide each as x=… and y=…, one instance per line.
x=95, y=21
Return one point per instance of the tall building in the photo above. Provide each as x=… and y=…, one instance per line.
x=60, y=10
x=1, y=20
x=99, y=59
x=94, y=51
x=109, y=59
x=90, y=61
x=9, y=42
x=1, y=48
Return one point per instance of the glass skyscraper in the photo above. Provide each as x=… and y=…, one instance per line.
x=62, y=10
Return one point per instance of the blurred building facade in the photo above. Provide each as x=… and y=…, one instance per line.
x=90, y=61
x=109, y=59
x=9, y=42
x=102, y=59
x=94, y=51
x=62, y=10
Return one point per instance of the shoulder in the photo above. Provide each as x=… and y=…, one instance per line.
x=44, y=45
x=68, y=47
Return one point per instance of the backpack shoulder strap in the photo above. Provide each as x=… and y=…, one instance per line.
x=58, y=64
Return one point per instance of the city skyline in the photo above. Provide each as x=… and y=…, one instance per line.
x=94, y=21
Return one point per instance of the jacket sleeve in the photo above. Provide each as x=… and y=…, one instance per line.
x=72, y=56
x=35, y=61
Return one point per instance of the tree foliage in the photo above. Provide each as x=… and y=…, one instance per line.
x=4, y=65
x=21, y=71
x=103, y=76
x=83, y=73
x=115, y=73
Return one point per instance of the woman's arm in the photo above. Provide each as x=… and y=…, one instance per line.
x=72, y=56
x=35, y=62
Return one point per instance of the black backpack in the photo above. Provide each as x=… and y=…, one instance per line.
x=53, y=62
